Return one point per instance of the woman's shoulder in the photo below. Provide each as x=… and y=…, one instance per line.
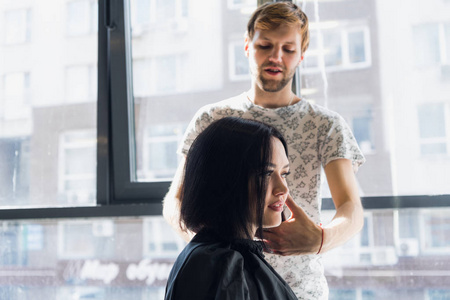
x=203, y=269
x=211, y=256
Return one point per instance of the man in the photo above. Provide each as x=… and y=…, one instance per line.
x=277, y=37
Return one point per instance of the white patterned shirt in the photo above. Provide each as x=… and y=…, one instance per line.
x=315, y=136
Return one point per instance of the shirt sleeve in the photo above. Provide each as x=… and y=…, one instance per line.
x=199, y=122
x=339, y=142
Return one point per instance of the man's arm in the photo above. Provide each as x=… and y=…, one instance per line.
x=349, y=218
x=300, y=235
x=172, y=204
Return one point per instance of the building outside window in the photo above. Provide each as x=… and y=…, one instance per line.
x=81, y=83
x=17, y=28
x=239, y=4
x=238, y=63
x=432, y=44
x=160, y=241
x=160, y=158
x=151, y=14
x=16, y=102
x=82, y=17
x=363, y=131
x=435, y=232
x=78, y=167
x=434, y=129
x=66, y=219
x=340, y=49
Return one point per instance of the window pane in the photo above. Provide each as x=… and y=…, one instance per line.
x=17, y=26
x=240, y=68
x=447, y=43
x=183, y=61
x=426, y=44
x=357, y=51
x=406, y=256
x=332, y=49
x=48, y=88
x=432, y=120
x=387, y=77
x=87, y=258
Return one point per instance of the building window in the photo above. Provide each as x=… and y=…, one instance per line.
x=160, y=240
x=14, y=171
x=17, y=26
x=141, y=77
x=81, y=84
x=166, y=78
x=433, y=131
x=363, y=131
x=85, y=239
x=77, y=179
x=238, y=4
x=238, y=62
x=159, y=13
x=338, y=49
x=16, y=96
x=438, y=294
x=82, y=17
x=157, y=75
x=431, y=44
x=160, y=159
x=435, y=232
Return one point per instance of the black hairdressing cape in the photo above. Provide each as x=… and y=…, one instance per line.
x=211, y=269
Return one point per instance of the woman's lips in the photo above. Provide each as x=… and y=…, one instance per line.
x=277, y=206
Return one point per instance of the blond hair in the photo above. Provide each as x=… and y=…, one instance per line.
x=270, y=16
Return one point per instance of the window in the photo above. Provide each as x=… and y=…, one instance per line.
x=81, y=17
x=433, y=128
x=238, y=63
x=363, y=131
x=85, y=239
x=81, y=83
x=160, y=240
x=339, y=48
x=78, y=168
x=48, y=87
x=16, y=96
x=160, y=159
x=17, y=26
x=435, y=226
x=239, y=4
x=163, y=14
x=84, y=163
x=431, y=44
x=14, y=171
x=179, y=76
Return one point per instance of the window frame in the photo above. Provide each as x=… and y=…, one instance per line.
x=117, y=194
x=342, y=33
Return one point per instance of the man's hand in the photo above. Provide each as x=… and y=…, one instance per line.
x=297, y=235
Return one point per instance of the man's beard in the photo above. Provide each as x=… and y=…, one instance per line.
x=271, y=85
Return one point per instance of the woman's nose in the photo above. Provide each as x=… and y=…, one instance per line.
x=281, y=187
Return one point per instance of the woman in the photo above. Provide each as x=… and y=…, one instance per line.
x=234, y=186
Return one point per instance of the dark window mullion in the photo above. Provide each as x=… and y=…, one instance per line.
x=126, y=189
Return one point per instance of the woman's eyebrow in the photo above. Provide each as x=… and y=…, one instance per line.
x=273, y=165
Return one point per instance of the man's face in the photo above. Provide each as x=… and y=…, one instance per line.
x=273, y=56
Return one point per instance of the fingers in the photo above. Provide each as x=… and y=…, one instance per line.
x=295, y=209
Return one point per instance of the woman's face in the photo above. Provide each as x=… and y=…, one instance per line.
x=277, y=188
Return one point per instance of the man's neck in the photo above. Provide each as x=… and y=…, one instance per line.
x=282, y=98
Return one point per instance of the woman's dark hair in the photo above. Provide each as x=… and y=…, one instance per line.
x=228, y=157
